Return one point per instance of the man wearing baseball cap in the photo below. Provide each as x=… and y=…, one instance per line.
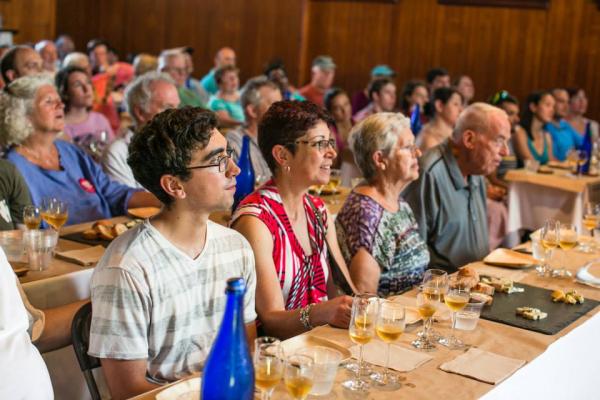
x=360, y=99
x=323, y=73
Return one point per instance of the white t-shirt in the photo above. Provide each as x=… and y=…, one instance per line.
x=23, y=374
x=152, y=301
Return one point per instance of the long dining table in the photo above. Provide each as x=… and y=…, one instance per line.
x=557, y=366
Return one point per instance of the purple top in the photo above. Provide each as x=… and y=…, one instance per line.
x=93, y=125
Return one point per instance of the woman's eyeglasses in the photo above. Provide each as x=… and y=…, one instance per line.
x=221, y=162
x=321, y=145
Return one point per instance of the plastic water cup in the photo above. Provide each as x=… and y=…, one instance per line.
x=12, y=244
x=326, y=361
x=531, y=165
x=39, y=245
x=466, y=319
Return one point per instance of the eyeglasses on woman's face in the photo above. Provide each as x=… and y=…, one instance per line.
x=221, y=162
x=321, y=145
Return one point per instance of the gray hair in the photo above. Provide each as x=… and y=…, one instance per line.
x=250, y=94
x=39, y=46
x=74, y=59
x=16, y=105
x=378, y=132
x=476, y=118
x=139, y=92
x=165, y=56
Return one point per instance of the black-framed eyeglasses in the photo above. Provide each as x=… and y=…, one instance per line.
x=321, y=145
x=221, y=162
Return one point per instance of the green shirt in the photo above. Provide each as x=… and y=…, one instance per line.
x=14, y=196
x=189, y=98
x=451, y=212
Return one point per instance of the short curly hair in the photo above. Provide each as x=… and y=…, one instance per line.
x=165, y=146
x=284, y=123
x=16, y=105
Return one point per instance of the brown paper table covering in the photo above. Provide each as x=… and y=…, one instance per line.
x=432, y=383
x=559, y=179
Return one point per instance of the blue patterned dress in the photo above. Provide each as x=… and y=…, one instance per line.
x=391, y=238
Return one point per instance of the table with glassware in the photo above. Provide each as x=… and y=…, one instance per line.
x=541, y=365
x=534, y=197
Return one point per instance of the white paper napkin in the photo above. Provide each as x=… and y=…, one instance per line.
x=483, y=366
x=401, y=358
x=188, y=389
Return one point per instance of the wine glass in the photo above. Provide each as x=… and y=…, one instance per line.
x=31, y=217
x=335, y=180
x=567, y=236
x=549, y=238
x=582, y=158
x=456, y=299
x=362, y=330
x=390, y=326
x=591, y=212
x=268, y=364
x=298, y=375
x=427, y=305
x=435, y=286
x=54, y=212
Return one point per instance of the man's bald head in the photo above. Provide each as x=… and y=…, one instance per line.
x=225, y=56
x=481, y=135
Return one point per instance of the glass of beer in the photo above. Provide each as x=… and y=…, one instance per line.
x=31, y=217
x=390, y=326
x=268, y=364
x=298, y=376
x=54, y=212
x=549, y=239
x=362, y=330
x=427, y=305
x=456, y=299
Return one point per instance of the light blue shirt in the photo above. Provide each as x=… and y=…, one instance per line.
x=209, y=83
x=81, y=183
x=564, y=138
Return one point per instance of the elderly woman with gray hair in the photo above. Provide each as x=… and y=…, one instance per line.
x=376, y=228
x=31, y=116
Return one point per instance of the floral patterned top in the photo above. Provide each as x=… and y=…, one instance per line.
x=391, y=238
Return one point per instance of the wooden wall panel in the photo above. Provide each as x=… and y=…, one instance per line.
x=34, y=19
x=515, y=49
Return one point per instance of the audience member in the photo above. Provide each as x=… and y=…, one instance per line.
x=337, y=103
x=225, y=56
x=77, y=94
x=289, y=230
x=31, y=116
x=361, y=98
x=534, y=143
x=578, y=104
x=256, y=97
x=24, y=374
x=226, y=102
x=448, y=104
x=20, y=61
x=64, y=46
x=77, y=59
x=436, y=78
x=464, y=85
x=382, y=93
x=145, y=97
x=564, y=137
x=14, y=196
x=322, y=76
x=414, y=92
x=173, y=63
x=47, y=51
x=158, y=293
x=143, y=63
x=275, y=71
x=191, y=82
x=376, y=228
x=449, y=198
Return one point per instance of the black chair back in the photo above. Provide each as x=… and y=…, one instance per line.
x=80, y=335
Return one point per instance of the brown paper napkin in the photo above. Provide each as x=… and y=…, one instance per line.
x=483, y=366
x=184, y=390
x=401, y=358
x=85, y=257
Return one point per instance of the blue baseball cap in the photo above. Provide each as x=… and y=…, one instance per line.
x=382, y=71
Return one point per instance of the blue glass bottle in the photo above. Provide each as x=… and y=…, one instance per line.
x=587, y=148
x=415, y=120
x=228, y=372
x=245, y=179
